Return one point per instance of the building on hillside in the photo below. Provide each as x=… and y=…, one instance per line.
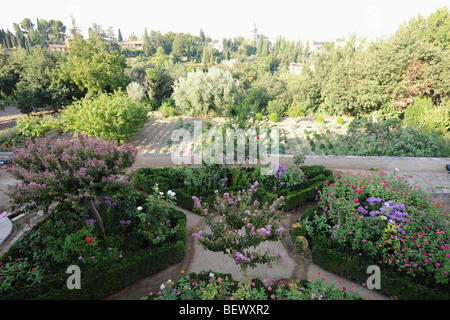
x=57, y=47
x=295, y=67
x=131, y=44
x=255, y=36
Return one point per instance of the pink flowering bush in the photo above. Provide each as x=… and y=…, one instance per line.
x=386, y=219
x=237, y=223
x=65, y=170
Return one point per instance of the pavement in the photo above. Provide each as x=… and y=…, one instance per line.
x=290, y=266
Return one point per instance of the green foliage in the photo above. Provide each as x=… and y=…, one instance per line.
x=389, y=138
x=159, y=83
x=136, y=91
x=320, y=120
x=276, y=106
x=340, y=121
x=167, y=110
x=35, y=89
x=112, y=116
x=273, y=117
x=93, y=66
x=36, y=126
x=204, y=93
x=423, y=112
x=295, y=110
x=212, y=285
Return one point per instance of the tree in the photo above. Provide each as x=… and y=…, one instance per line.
x=119, y=36
x=34, y=90
x=159, y=84
x=178, y=47
x=93, y=66
x=147, y=44
x=59, y=171
x=206, y=92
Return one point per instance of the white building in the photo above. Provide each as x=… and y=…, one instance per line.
x=255, y=36
x=295, y=68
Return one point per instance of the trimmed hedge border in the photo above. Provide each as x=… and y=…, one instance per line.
x=333, y=258
x=295, y=196
x=101, y=281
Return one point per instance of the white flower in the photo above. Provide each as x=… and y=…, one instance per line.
x=139, y=208
x=211, y=275
x=171, y=193
x=161, y=193
x=162, y=286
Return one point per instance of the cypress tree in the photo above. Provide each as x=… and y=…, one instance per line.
x=119, y=36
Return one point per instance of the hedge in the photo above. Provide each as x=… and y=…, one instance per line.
x=295, y=196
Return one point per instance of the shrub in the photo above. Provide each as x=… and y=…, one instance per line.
x=36, y=126
x=340, y=121
x=295, y=110
x=258, y=116
x=167, y=110
x=320, y=120
x=136, y=91
x=202, y=93
x=276, y=106
x=237, y=212
x=58, y=170
x=273, y=117
x=111, y=116
x=423, y=112
x=389, y=138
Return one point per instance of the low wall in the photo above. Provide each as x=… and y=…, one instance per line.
x=331, y=162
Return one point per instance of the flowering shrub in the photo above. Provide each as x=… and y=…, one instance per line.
x=156, y=228
x=386, y=219
x=66, y=169
x=281, y=177
x=238, y=223
x=19, y=272
x=215, y=286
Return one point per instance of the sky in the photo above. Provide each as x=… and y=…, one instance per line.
x=320, y=20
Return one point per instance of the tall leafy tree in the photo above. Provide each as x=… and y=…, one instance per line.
x=93, y=66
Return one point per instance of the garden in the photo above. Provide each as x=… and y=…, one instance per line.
x=118, y=226
x=111, y=223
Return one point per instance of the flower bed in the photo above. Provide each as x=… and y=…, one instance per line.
x=297, y=184
x=372, y=219
x=207, y=285
x=35, y=266
x=94, y=222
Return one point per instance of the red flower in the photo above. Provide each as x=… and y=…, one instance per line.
x=88, y=239
x=257, y=137
x=6, y=144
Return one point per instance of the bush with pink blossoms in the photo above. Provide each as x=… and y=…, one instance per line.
x=238, y=222
x=65, y=170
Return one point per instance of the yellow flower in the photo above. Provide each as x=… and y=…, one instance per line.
x=182, y=271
